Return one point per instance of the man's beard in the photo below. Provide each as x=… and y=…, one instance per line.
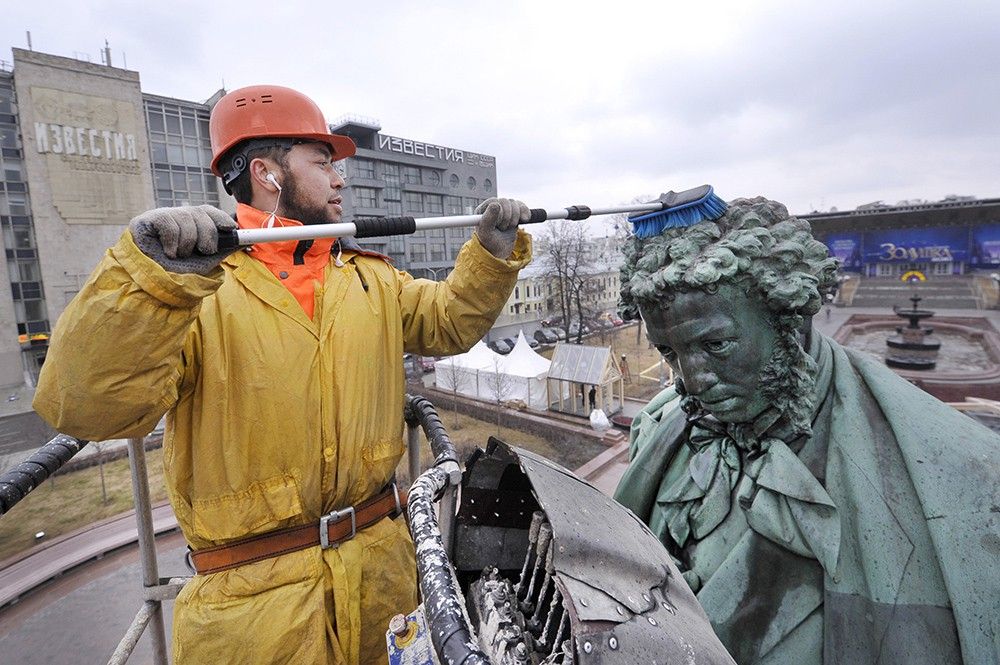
x=788, y=381
x=294, y=207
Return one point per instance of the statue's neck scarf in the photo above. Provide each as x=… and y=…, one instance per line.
x=784, y=502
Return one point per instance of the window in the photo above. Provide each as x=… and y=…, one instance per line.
x=418, y=253
x=471, y=182
x=411, y=175
x=453, y=205
x=437, y=251
x=394, y=208
x=365, y=197
x=433, y=178
x=392, y=193
x=453, y=180
x=363, y=168
x=433, y=204
x=414, y=202
x=488, y=185
x=390, y=172
x=470, y=205
x=181, y=152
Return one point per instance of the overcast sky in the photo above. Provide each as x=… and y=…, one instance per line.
x=815, y=104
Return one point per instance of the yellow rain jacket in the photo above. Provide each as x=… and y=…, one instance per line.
x=274, y=419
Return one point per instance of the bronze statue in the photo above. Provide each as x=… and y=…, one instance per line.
x=823, y=509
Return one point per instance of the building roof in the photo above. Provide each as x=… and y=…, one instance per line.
x=583, y=364
x=941, y=213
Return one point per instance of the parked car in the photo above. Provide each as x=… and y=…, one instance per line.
x=500, y=346
x=533, y=343
x=427, y=364
x=511, y=341
x=546, y=336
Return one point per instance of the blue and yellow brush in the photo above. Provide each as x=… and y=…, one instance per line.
x=672, y=209
x=679, y=209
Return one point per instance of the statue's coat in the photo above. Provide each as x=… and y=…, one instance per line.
x=917, y=488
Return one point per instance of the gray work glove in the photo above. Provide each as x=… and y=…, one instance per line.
x=183, y=240
x=498, y=230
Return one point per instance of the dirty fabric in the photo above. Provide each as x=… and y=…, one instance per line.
x=274, y=418
x=886, y=556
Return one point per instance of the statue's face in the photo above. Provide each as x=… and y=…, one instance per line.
x=718, y=343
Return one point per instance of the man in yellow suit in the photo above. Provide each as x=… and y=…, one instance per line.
x=280, y=371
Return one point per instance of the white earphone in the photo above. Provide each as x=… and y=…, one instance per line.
x=274, y=181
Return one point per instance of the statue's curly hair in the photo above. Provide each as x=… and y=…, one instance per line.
x=756, y=246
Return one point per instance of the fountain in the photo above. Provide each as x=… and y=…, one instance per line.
x=909, y=348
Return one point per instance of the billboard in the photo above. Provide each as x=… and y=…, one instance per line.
x=936, y=244
x=846, y=247
x=986, y=245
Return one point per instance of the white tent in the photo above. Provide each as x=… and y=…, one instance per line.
x=481, y=373
x=528, y=370
x=462, y=371
x=522, y=376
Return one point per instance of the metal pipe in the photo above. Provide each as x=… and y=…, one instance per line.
x=453, y=638
x=147, y=544
x=537, y=518
x=413, y=449
x=17, y=483
x=446, y=516
x=134, y=632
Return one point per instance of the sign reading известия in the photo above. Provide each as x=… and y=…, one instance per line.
x=84, y=141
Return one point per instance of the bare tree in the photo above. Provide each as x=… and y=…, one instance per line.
x=456, y=379
x=563, y=252
x=500, y=385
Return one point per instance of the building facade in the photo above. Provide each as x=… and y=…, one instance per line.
x=83, y=150
x=954, y=236
x=392, y=176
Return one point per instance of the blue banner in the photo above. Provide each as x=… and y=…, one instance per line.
x=986, y=246
x=928, y=245
x=847, y=248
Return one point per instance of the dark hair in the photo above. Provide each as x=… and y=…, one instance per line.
x=240, y=188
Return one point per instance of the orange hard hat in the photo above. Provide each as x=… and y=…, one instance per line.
x=269, y=111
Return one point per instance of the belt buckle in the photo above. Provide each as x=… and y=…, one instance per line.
x=335, y=516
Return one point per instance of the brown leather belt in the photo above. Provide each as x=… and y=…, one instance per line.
x=329, y=531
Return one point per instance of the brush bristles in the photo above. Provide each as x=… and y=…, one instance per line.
x=653, y=224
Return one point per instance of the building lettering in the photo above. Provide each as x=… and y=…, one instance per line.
x=893, y=252
x=85, y=141
x=408, y=147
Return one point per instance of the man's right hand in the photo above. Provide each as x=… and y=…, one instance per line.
x=183, y=240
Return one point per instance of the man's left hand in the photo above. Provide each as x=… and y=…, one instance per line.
x=498, y=229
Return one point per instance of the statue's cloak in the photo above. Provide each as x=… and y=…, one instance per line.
x=917, y=487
